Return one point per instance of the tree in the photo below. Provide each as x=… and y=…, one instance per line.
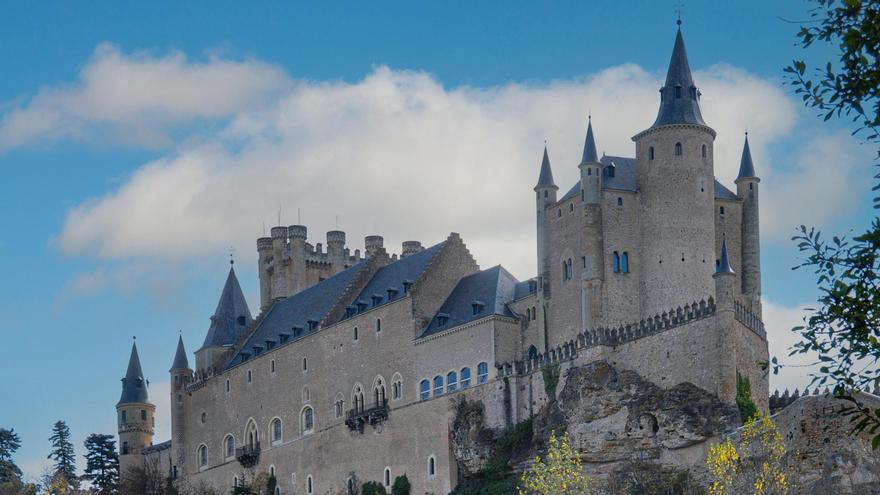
x=401, y=485
x=559, y=474
x=63, y=455
x=373, y=488
x=744, y=401
x=844, y=330
x=9, y=443
x=102, y=463
x=755, y=466
x=147, y=478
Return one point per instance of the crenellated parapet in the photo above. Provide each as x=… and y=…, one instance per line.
x=749, y=319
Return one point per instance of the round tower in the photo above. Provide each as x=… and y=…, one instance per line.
x=135, y=416
x=747, y=191
x=725, y=303
x=181, y=376
x=264, y=260
x=297, y=270
x=676, y=182
x=545, y=194
x=372, y=244
x=592, y=233
x=591, y=169
x=280, y=288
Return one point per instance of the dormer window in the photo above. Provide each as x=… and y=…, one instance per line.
x=478, y=307
x=313, y=324
x=361, y=305
x=377, y=299
x=297, y=331
x=406, y=285
x=283, y=337
x=391, y=293
x=442, y=318
x=609, y=171
x=270, y=344
x=350, y=310
x=257, y=349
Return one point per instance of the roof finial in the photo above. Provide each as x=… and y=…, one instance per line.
x=134, y=337
x=678, y=6
x=231, y=253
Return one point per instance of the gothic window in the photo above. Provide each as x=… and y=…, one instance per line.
x=615, y=262
x=397, y=386
x=624, y=262
x=204, y=417
x=424, y=390
x=379, y=391
x=252, y=435
x=619, y=201
x=533, y=352
x=234, y=481
x=535, y=313
x=309, y=485
x=203, y=455
x=704, y=151
x=339, y=406
x=357, y=398
x=482, y=373
x=465, y=377
x=677, y=149
x=307, y=420
x=387, y=478
x=438, y=386
x=229, y=446
x=650, y=153
x=451, y=381
x=528, y=314
x=276, y=430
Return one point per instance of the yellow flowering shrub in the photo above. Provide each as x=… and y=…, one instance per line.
x=756, y=466
x=561, y=473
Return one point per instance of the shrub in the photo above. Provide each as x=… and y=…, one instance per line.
x=373, y=488
x=550, y=372
x=401, y=486
x=744, y=401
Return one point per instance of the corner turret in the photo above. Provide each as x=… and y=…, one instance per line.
x=747, y=191
x=229, y=322
x=181, y=376
x=135, y=415
x=591, y=169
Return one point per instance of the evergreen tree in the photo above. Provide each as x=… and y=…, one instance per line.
x=747, y=407
x=102, y=463
x=62, y=453
x=9, y=443
x=401, y=485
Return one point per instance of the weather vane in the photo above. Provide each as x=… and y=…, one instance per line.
x=678, y=6
x=231, y=253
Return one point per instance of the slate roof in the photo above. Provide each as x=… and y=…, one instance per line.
x=746, y=166
x=156, y=448
x=134, y=385
x=685, y=107
x=311, y=304
x=724, y=261
x=180, y=360
x=545, y=178
x=522, y=289
x=624, y=179
x=493, y=288
x=590, y=154
x=231, y=317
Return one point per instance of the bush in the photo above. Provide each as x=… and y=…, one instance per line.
x=401, y=486
x=550, y=372
x=747, y=408
x=373, y=488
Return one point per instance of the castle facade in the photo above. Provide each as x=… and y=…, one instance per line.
x=345, y=374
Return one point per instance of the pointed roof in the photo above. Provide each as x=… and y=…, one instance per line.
x=545, y=178
x=180, y=360
x=679, y=98
x=590, y=154
x=134, y=386
x=231, y=317
x=724, y=262
x=746, y=166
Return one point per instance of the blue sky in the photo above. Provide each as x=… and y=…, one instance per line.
x=140, y=141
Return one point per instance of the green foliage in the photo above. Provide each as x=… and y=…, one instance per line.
x=62, y=453
x=514, y=440
x=373, y=488
x=401, y=485
x=102, y=463
x=9, y=443
x=747, y=407
x=271, y=483
x=550, y=372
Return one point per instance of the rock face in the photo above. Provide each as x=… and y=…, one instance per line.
x=614, y=415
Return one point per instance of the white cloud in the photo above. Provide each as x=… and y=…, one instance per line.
x=779, y=320
x=138, y=99
x=395, y=153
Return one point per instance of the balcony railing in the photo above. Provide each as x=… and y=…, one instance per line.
x=375, y=415
x=249, y=455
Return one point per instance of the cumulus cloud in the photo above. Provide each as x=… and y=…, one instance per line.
x=138, y=99
x=395, y=153
x=779, y=319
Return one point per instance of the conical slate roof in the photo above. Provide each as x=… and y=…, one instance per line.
x=134, y=385
x=724, y=262
x=679, y=98
x=180, y=360
x=545, y=178
x=590, y=154
x=746, y=166
x=231, y=317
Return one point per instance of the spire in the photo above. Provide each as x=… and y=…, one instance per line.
x=134, y=386
x=590, y=154
x=180, y=360
x=724, y=262
x=545, y=179
x=746, y=167
x=679, y=98
x=231, y=317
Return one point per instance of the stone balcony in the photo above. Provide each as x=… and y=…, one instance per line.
x=375, y=415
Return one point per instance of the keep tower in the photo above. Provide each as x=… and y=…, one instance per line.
x=675, y=178
x=135, y=415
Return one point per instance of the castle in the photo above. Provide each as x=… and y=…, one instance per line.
x=345, y=373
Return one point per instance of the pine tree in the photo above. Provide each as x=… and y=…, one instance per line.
x=102, y=463
x=9, y=443
x=62, y=453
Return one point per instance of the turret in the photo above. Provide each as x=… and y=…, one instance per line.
x=747, y=191
x=725, y=300
x=372, y=244
x=410, y=247
x=265, y=267
x=297, y=280
x=591, y=169
x=181, y=375
x=229, y=322
x=592, y=233
x=280, y=263
x=545, y=194
x=675, y=178
x=335, y=244
x=135, y=415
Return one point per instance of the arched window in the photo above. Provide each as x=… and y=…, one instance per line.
x=533, y=352
x=305, y=365
x=570, y=207
x=339, y=405
x=379, y=391
x=651, y=153
x=234, y=481
x=438, y=385
x=357, y=398
x=387, y=477
x=704, y=151
x=482, y=373
x=252, y=435
x=309, y=489
x=424, y=390
x=355, y=333
x=528, y=314
x=378, y=325
x=465, y=377
x=229, y=446
x=451, y=381
x=307, y=419
x=619, y=201
x=203, y=455
x=624, y=262
x=227, y=386
x=615, y=262
x=272, y=366
x=432, y=468
x=275, y=428
x=306, y=395
x=397, y=386
x=677, y=149
x=534, y=313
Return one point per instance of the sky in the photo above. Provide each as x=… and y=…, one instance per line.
x=142, y=143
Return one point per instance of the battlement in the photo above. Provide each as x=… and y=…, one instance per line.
x=779, y=401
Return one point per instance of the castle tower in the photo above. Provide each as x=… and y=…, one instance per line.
x=592, y=233
x=181, y=375
x=373, y=244
x=280, y=263
x=229, y=322
x=297, y=270
x=336, y=250
x=747, y=191
x=675, y=178
x=265, y=269
x=545, y=194
x=725, y=298
x=135, y=415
